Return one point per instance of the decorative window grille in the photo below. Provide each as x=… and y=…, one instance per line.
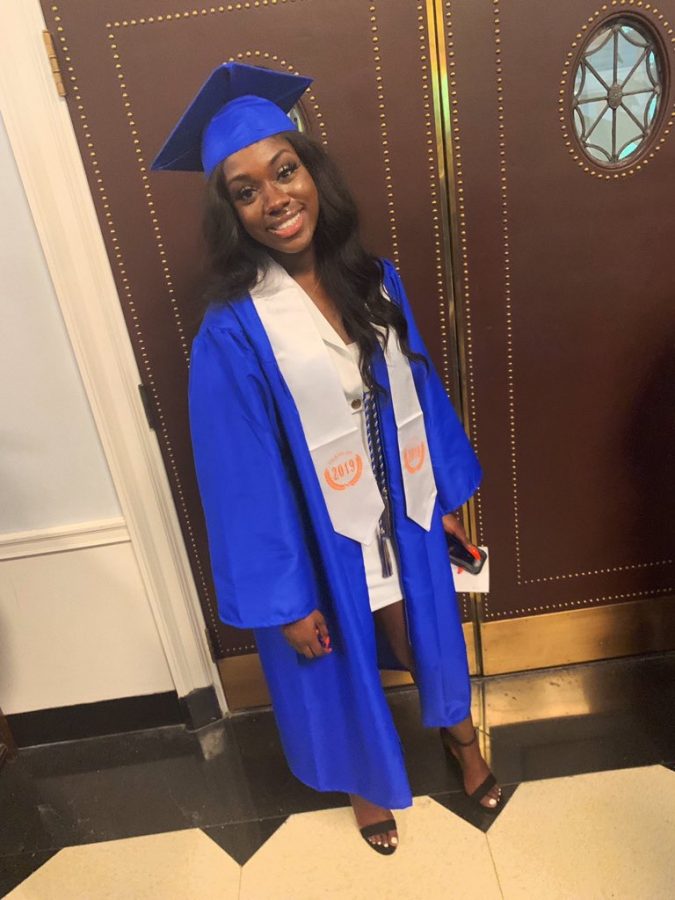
x=618, y=89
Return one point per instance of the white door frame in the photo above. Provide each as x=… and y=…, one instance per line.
x=49, y=162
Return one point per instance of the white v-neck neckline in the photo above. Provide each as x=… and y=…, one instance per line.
x=326, y=330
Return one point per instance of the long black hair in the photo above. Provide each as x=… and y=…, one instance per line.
x=350, y=275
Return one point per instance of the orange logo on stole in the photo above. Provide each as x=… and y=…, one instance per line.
x=343, y=471
x=413, y=457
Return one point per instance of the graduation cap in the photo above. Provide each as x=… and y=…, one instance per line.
x=236, y=106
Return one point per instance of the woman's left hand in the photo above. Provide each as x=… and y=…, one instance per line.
x=452, y=525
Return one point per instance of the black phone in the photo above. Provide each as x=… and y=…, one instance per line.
x=460, y=556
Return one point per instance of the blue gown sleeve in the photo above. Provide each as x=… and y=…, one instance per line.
x=260, y=559
x=456, y=468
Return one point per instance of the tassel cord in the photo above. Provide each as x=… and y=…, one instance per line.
x=384, y=526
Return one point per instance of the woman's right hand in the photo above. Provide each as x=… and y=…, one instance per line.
x=303, y=635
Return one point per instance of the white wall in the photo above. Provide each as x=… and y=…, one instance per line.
x=52, y=467
x=76, y=627
x=75, y=622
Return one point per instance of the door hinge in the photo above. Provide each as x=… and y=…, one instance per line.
x=54, y=63
x=212, y=648
x=147, y=406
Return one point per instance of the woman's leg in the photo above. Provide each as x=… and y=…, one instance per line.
x=474, y=768
x=368, y=813
x=391, y=619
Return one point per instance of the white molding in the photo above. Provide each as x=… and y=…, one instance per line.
x=63, y=538
x=45, y=148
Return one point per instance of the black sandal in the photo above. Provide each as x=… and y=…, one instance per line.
x=379, y=828
x=482, y=789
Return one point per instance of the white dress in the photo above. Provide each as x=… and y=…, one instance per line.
x=381, y=591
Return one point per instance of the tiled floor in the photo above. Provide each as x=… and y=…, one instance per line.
x=586, y=756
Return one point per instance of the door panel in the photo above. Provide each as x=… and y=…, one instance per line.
x=568, y=302
x=131, y=68
x=561, y=272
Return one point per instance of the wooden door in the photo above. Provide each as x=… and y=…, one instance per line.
x=542, y=277
x=130, y=69
x=566, y=275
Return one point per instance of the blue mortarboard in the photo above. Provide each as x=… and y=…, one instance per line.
x=237, y=106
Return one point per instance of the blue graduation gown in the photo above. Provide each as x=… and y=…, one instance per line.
x=275, y=556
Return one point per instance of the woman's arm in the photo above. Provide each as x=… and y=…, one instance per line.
x=262, y=570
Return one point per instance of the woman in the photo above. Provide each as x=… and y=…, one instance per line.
x=328, y=456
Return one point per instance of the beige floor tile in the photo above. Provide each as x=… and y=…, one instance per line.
x=322, y=855
x=587, y=837
x=177, y=865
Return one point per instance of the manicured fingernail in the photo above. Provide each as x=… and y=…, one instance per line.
x=394, y=841
x=474, y=551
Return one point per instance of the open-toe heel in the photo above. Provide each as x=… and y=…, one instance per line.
x=369, y=831
x=477, y=795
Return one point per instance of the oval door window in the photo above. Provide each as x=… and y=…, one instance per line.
x=618, y=90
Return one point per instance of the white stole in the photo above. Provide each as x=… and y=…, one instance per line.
x=340, y=459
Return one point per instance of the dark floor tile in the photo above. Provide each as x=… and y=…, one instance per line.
x=15, y=869
x=146, y=782
x=112, y=787
x=243, y=839
x=274, y=791
x=630, y=721
x=427, y=767
x=459, y=804
x=569, y=746
x=234, y=771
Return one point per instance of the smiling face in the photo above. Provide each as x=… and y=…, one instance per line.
x=274, y=195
